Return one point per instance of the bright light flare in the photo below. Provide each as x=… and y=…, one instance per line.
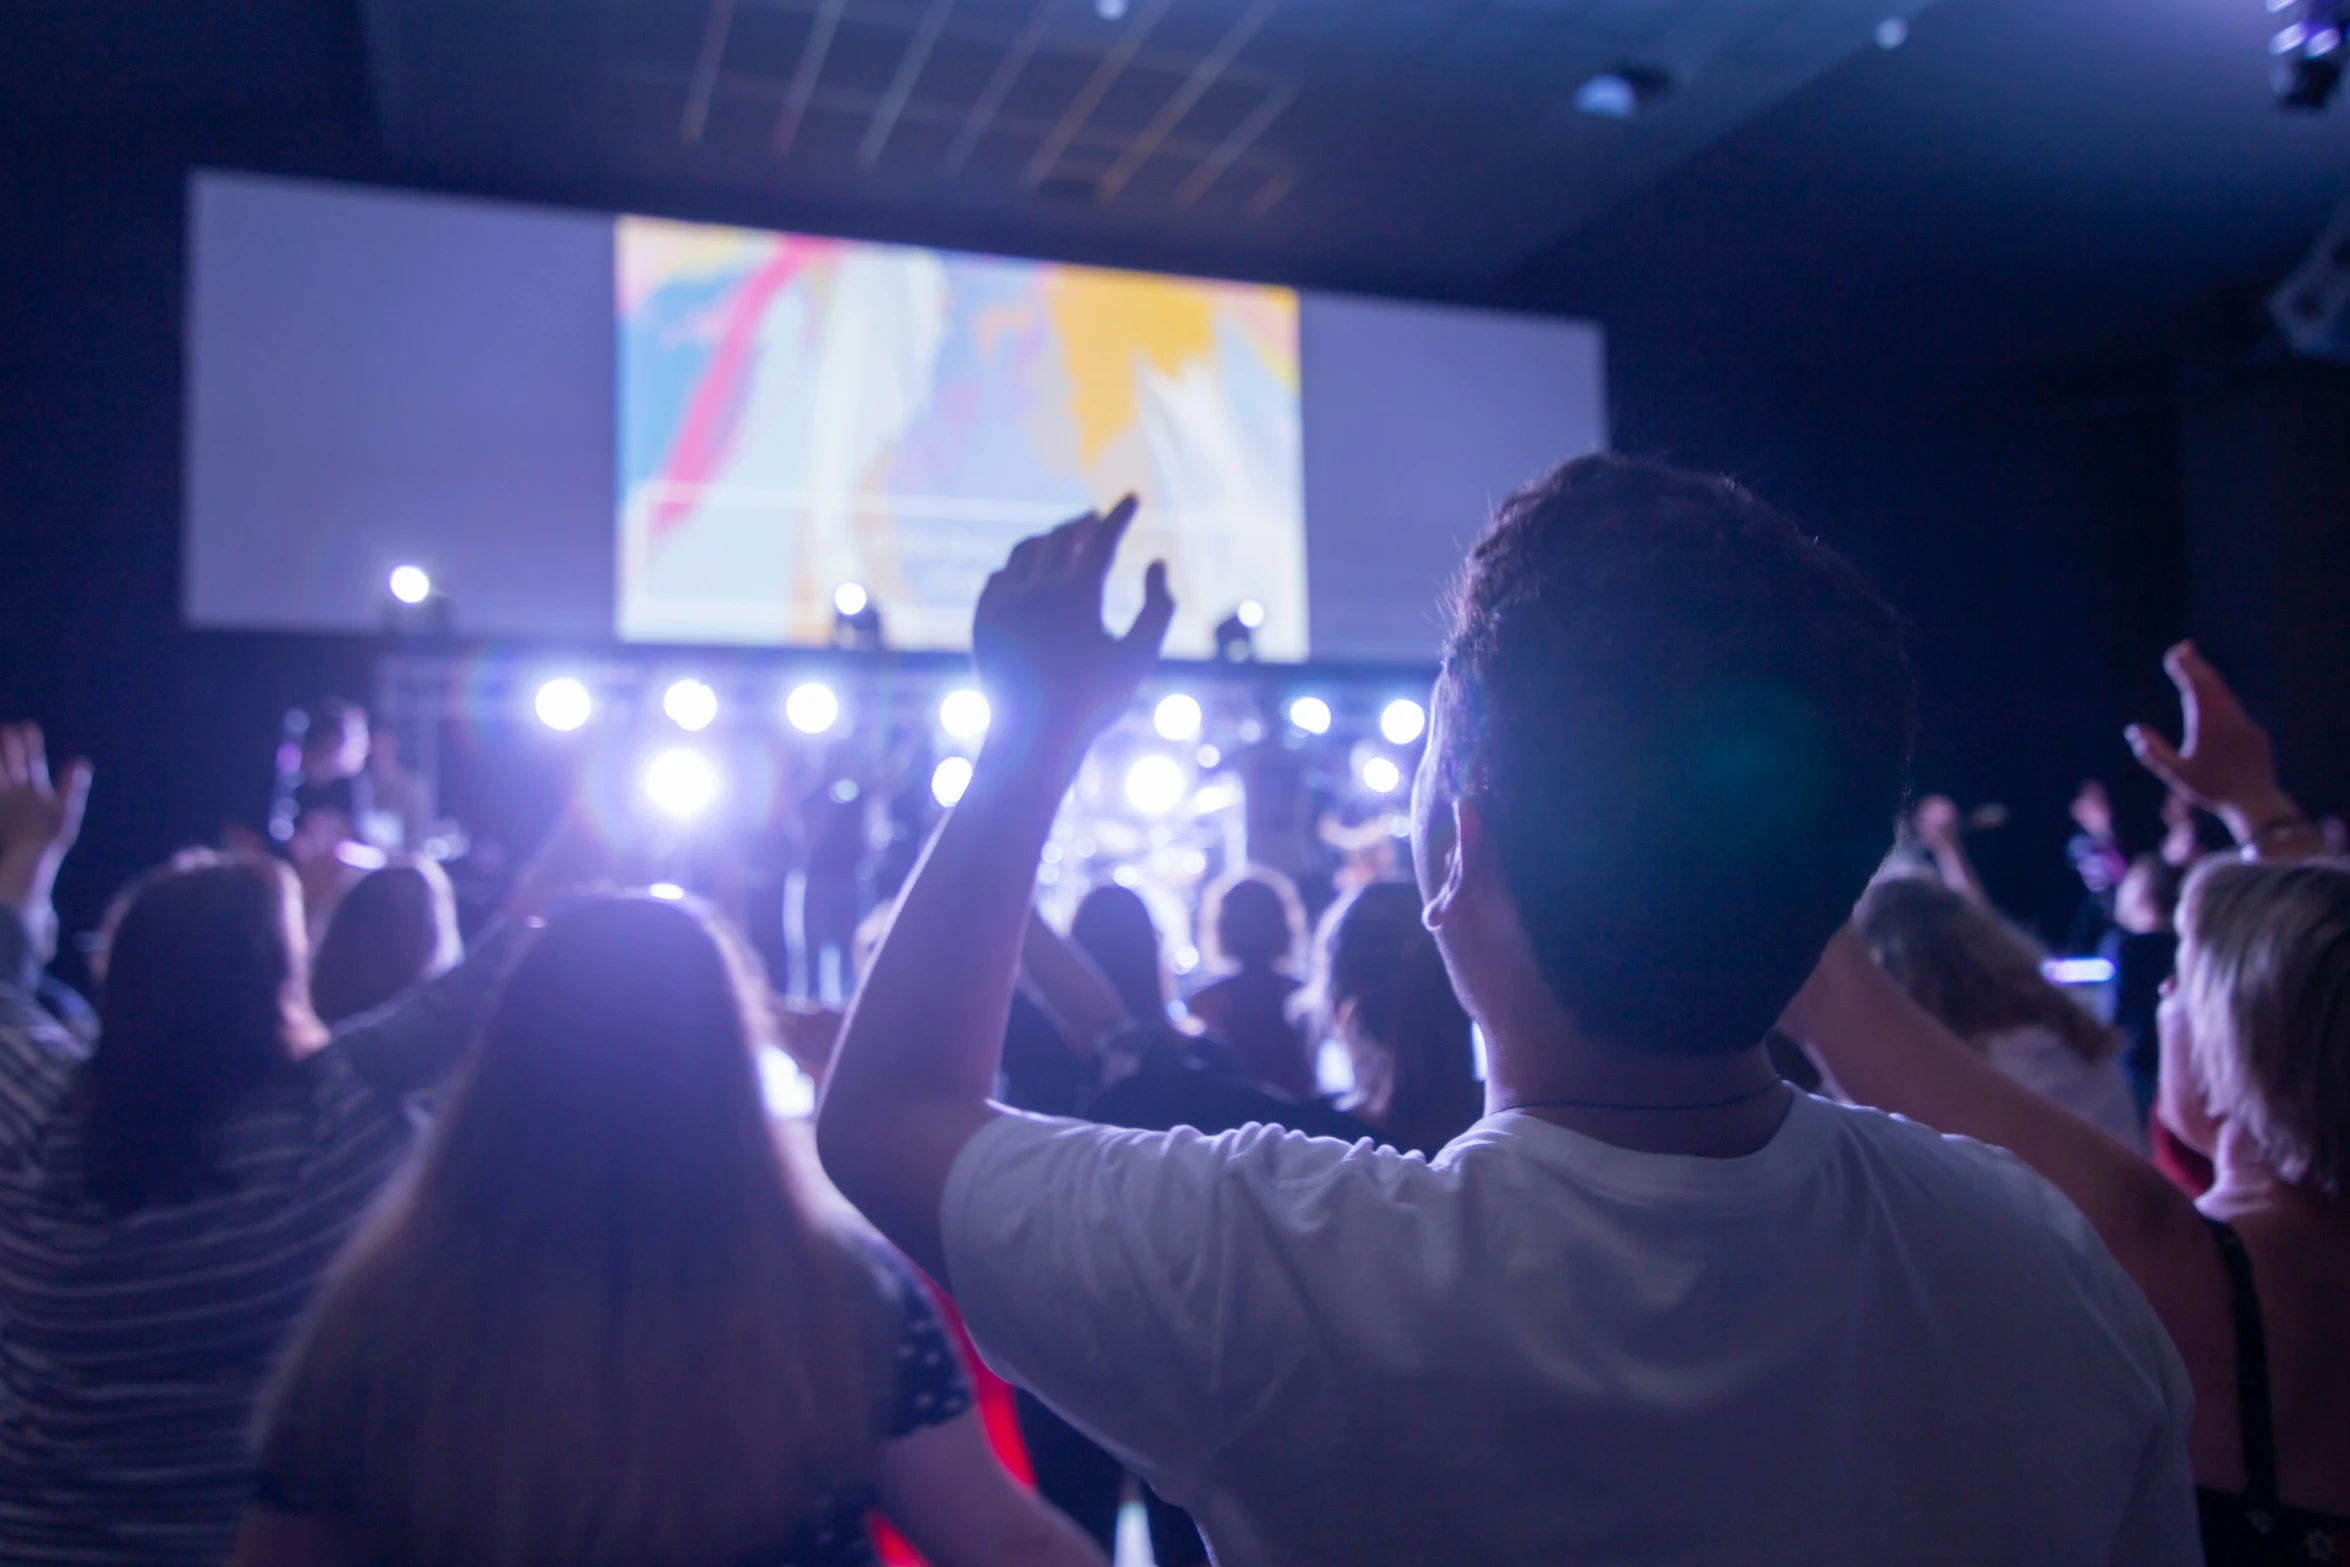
x=690, y=704
x=563, y=703
x=1155, y=784
x=1177, y=717
x=1402, y=721
x=411, y=584
x=850, y=598
x=681, y=783
x=1250, y=614
x=667, y=891
x=949, y=779
x=1311, y=714
x=1381, y=775
x=812, y=708
x=964, y=714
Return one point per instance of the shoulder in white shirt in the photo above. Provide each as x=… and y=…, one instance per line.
x=1863, y=1343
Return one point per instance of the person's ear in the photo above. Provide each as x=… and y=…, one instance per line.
x=1460, y=861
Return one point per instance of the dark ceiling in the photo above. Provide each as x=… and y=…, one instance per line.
x=2023, y=184
x=1377, y=143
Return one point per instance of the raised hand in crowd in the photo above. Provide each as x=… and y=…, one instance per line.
x=1941, y=831
x=2224, y=762
x=919, y=1057
x=40, y=818
x=2092, y=810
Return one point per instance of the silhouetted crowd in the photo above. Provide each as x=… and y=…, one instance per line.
x=328, y=1239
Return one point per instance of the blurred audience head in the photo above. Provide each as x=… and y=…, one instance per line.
x=1113, y=926
x=336, y=741
x=1381, y=988
x=1683, y=728
x=2147, y=902
x=2256, y=1034
x=599, y=1324
x=1253, y=919
x=203, y=994
x=1977, y=974
x=395, y=928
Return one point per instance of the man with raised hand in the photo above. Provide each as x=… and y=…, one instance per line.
x=1656, y=1306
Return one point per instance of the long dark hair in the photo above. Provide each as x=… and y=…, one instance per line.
x=1381, y=987
x=200, y=998
x=1113, y=926
x=395, y=927
x=600, y=1326
x=1977, y=974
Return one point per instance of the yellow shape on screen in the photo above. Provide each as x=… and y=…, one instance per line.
x=1109, y=319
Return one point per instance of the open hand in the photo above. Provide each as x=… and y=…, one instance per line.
x=1054, y=675
x=2223, y=762
x=37, y=818
x=1936, y=823
x=2093, y=810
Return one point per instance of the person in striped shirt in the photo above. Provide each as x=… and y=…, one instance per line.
x=171, y=1197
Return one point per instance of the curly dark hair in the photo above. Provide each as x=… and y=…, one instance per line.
x=1688, y=726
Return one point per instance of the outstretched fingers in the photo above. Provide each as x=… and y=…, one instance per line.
x=1140, y=645
x=1101, y=543
x=2157, y=756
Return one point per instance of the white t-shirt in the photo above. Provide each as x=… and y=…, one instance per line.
x=2096, y=1091
x=1862, y=1344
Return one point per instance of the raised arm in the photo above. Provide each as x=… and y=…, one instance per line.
x=918, y=1059
x=2224, y=763
x=1884, y=1050
x=1064, y=981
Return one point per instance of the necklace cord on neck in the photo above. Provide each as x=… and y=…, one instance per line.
x=1603, y=1104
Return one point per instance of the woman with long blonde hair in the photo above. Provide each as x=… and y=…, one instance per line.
x=603, y=1326
x=2250, y=1279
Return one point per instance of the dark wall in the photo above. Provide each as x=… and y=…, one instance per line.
x=2030, y=529
x=182, y=727
x=2267, y=501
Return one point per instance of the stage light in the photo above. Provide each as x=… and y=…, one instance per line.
x=1250, y=614
x=666, y=891
x=1892, y=33
x=1311, y=714
x=411, y=584
x=812, y=708
x=964, y=714
x=1381, y=775
x=1110, y=10
x=1402, y=721
x=681, y=783
x=2077, y=971
x=949, y=779
x=1155, y=784
x=2308, y=51
x=690, y=704
x=851, y=599
x=1625, y=91
x=1177, y=717
x=563, y=703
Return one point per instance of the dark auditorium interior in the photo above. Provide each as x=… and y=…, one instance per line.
x=2037, y=314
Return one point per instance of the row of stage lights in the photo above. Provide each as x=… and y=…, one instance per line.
x=683, y=783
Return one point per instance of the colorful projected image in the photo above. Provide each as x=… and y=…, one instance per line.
x=799, y=413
